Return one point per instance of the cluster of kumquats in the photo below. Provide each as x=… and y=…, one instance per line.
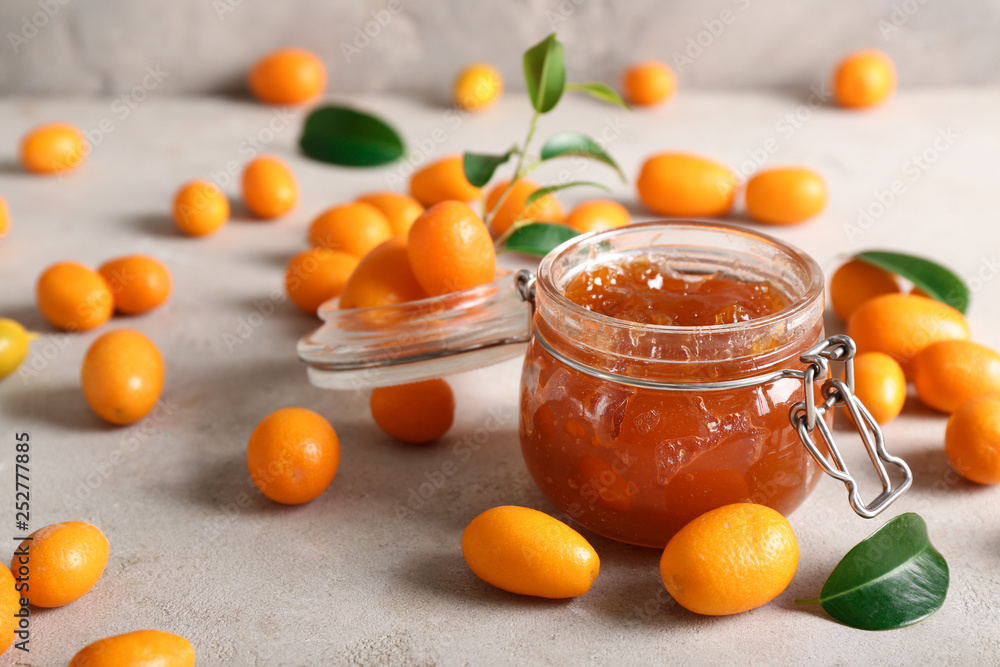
x=903, y=336
x=390, y=248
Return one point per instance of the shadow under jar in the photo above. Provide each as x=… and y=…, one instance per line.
x=628, y=459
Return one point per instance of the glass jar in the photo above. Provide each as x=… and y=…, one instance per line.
x=634, y=463
x=634, y=429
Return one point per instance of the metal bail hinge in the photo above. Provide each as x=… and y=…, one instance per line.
x=807, y=416
x=524, y=282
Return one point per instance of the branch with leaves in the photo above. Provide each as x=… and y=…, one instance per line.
x=343, y=136
x=545, y=79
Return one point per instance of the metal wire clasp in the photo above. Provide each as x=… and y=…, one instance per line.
x=807, y=416
x=524, y=283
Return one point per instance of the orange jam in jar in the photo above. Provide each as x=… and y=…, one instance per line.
x=642, y=290
x=624, y=319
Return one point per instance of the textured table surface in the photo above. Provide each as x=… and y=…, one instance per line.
x=196, y=550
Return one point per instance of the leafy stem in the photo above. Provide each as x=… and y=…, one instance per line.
x=519, y=170
x=482, y=204
x=545, y=79
x=516, y=225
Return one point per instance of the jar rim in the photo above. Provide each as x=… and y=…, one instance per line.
x=800, y=302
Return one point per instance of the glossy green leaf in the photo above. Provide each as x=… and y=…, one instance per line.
x=600, y=91
x=479, y=168
x=568, y=144
x=939, y=283
x=339, y=135
x=539, y=238
x=545, y=73
x=541, y=192
x=892, y=579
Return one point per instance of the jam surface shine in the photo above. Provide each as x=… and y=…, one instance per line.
x=642, y=291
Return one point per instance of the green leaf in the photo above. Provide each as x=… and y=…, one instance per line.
x=339, y=135
x=600, y=91
x=545, y=73
x=539, y=238
x=479, y=168
x=567, y=144
x=892, y=579
x=541, y=192
x=939, y=283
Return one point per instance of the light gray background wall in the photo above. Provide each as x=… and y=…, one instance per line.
x=104, y=46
